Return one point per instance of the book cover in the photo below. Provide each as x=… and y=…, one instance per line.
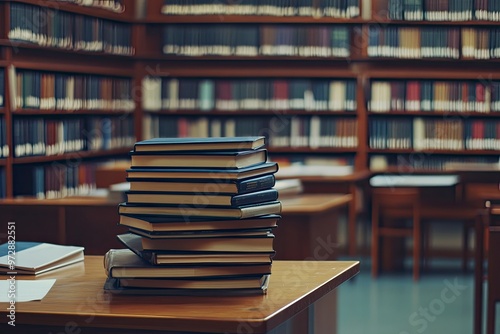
x=206, y=159
x=200, y=144
x=159, y=287
x=162, y=223
x=203, y=199
x=187, y=212
x=202, y=173
x=35, y=258
x=204, y=186
x=134, y=243
x=123, y=263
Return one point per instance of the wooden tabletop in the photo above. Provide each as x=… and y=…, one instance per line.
x=78, y=297
x=313, y=203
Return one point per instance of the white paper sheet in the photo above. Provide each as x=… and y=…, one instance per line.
x=24, y=291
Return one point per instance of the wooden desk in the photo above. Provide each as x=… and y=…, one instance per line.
x=77, y=303
x=438, y=200
x=352, y=183
x=308, y=227
x=72, y=221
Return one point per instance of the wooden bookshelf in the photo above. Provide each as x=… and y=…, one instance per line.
x=147, y=24
x=22, y=56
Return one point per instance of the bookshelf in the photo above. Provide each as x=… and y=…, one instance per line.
x=67, y=80
x=324, y=84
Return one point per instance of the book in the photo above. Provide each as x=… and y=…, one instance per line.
x=186, y=211
x=208, y=186
x=33, y=258
x=206, y=286
x=251, y=243
x=261, y=232
x=123, y=263
x=161, y=223
x=206, y=159
x=134, y=243
x=217, y=174
x=267, y=195
x=250, y=282
x=200, y=144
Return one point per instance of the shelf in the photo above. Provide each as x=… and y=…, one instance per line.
x=77, y=9
x=31, y=112
x=428, y=59
x=239, y=68
x=481, y=71
x=309, y=150
x=247, y=58
x=38, y=48
x=243, y=113
x=72, y=157
x=385, y=21
x=448, y=114
x=432, y=152
x=221, y=19
x=72, y=68
x=3, y=162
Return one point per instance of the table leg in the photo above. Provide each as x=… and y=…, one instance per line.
x=479, y=272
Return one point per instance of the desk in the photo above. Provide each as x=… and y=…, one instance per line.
x=308, y=227
x=77, y=303
x=352, y=183
x=72, y=221
x=437, y=199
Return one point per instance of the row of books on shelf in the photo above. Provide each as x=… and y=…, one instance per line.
x=61, y=91
x=40, y=136
x=2, y=87
x=216, y=240
x=55, y=28
x=116, y=6
x=55, y=180
x=282, y=131
x=418, y=161
x=414, y=42
x=248, y=94
x=253, y=40
x=4, y=147
x=480, y=96
x=443, y=10
x=3, y=183
x=328, y=8
x=434, y=42
x=438, y=134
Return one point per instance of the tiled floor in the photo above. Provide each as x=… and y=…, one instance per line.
x=441, y=302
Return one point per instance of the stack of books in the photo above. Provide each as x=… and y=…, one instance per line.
x=200, y=214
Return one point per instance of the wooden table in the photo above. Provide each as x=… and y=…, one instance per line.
x=70, y=221
x=78, y=304
x=308, y=227
x=353, y=183
x=438, y=199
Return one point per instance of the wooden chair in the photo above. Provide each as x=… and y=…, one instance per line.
x=389, y=205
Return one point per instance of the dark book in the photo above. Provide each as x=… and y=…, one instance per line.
x=250, y=282
x=159, y=223
x=200, y=173
x=208, y=186
x=134, y=243
x=200, y=144
x=206, y=159
x=123, y=263
x=186, y=211
x=237, y=286
x=239, y=243
x=267, y=195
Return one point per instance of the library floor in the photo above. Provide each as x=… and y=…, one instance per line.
x=441, y=302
